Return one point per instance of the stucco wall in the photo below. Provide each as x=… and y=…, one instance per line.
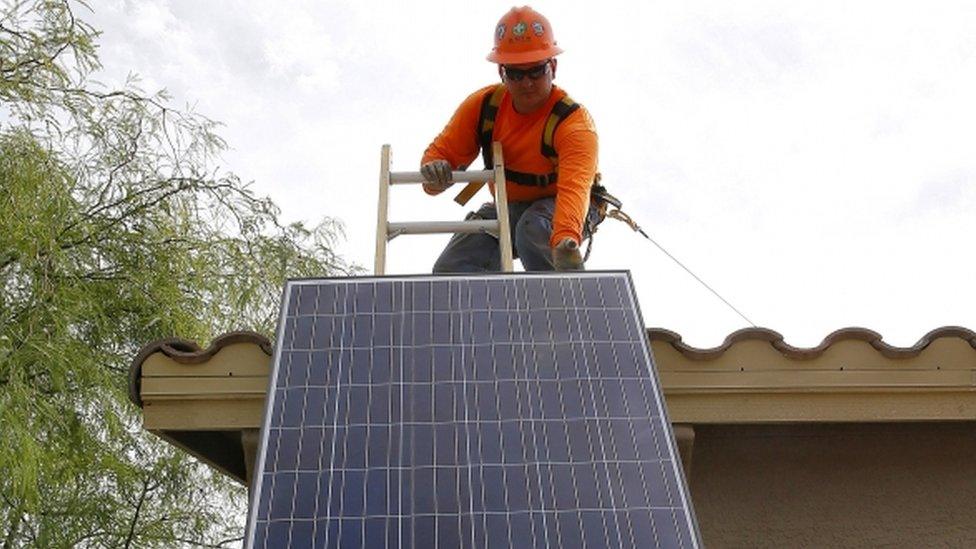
x=836, y=485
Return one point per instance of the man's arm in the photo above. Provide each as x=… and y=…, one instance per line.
x=456, y=145
x=577, y=145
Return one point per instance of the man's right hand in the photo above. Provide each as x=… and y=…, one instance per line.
x=566, y=256
x=438, y=176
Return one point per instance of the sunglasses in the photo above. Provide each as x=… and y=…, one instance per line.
x=516, y=75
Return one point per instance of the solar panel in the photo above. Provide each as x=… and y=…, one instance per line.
x=498, y=410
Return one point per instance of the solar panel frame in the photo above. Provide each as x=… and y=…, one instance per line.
x=530, y=317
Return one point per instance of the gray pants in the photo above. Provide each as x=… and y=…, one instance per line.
x=531, y=227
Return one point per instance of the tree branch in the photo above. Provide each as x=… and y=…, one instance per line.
x=135, y=515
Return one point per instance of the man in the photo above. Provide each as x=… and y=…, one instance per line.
x=548, y=180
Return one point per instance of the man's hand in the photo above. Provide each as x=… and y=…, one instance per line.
x=566, y=256
x=438, y=176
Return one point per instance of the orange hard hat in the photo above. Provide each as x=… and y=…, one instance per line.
x=523, y=35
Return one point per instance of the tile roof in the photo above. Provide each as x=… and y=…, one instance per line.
x=184, y=351
x=196, y=398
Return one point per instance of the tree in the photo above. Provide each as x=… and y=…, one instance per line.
x=115, y=230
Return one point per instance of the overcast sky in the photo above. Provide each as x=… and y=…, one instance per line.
x=811, y=160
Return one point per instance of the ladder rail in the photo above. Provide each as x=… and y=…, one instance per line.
x=383, y=212
x=501, y=208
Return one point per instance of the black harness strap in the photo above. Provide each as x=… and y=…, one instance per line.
x=530, y=179
x=486, y=123
x=560, y=111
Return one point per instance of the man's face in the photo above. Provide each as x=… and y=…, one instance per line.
x=529, y=83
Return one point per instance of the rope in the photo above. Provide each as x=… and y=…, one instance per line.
x=621, y=216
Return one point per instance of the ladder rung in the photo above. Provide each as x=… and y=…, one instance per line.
x=416, y=177
x=434, y=227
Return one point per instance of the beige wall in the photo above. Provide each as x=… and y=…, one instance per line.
x=836, y=485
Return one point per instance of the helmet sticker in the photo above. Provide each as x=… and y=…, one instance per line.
x=500, y=32
x=538, y=29
x=519, y=28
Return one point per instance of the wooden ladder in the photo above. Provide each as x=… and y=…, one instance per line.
x=387, y=230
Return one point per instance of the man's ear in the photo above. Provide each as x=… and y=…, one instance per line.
x=501, y=75
x=553, y=68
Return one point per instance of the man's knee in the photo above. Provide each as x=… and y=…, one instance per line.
x=469, y=253
x=445, y=265
x=457, y=261
x=532, y=233
x=535, y=225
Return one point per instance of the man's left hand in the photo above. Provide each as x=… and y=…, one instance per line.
x=438, y=176
x=566, y=256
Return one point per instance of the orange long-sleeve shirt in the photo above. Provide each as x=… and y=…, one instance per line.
x=575, y=141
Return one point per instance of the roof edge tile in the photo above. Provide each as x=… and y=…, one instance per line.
x=695, y=353
x=185, y=351
x=800, y=353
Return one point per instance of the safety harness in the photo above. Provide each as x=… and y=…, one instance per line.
x=486, y=126
x=560, y=111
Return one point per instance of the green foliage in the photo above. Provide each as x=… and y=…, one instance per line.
x=115, y=231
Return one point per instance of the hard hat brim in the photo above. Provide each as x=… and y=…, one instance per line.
x=515, y=58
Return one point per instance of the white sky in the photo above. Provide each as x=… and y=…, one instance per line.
x=812, y=160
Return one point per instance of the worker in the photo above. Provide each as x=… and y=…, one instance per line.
x=548, y=180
